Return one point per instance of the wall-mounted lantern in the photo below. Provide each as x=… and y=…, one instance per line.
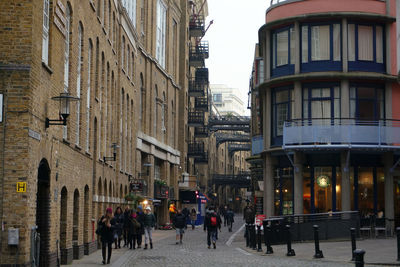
x=64, y=100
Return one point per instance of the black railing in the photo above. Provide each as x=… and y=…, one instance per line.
x=197, y=87
x=201, y=103
x=201, y=132
x=201, y=75
x=196, y=118
x=198, y=53
x=196, y=26
x=195, y=149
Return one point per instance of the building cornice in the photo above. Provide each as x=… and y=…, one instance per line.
x=357, y=75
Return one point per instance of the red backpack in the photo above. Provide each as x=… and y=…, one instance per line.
x=213, y=220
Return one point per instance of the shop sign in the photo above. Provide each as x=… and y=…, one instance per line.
x=137, y=185
x=260, y=218
x=323, y=181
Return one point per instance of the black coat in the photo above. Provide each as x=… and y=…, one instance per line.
x=207, y=221
x=119, y=223
x=106, y=233
x=179, y=220
x=133, y=226
x=140, y=219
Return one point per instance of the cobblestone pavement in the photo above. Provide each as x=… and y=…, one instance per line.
x=194, y=252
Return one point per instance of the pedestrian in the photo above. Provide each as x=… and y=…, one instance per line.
x=149, y=223
x=119, y=225
x=193, y=218
x=127, y=213
x=134, y=230
x=140, y=219
x=105, y=229
x=179, y=223
x=185, y=213
x=248, y=217
x=230, y=218
x=212, y=223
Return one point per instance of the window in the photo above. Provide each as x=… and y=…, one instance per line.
x=123, y=52
x=130, y=7
x=366, y=47
x=155, y=111
x=128, y=53
x=46, y=27
x=282, y=110
x=109, y=18
x=283, y=51
x=96, y=88
x=174, y=47
x=321, y=101
x=90, y=51
x=321, y=47
x=161, y=29
x=141, y=97
x=66, y=59
x=217, y=97
x=163, y=116
x=78, y=82
x=142, y=17
x=367, y=102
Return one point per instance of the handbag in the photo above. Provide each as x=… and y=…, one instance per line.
x=99, y=230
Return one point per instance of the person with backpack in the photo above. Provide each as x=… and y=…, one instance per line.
x=185, y=213
x=134, y=230
x=230, y=218
x=179, y=223
x=140, y=219
x=212, y=223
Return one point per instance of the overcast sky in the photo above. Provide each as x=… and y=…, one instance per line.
x=232, y=39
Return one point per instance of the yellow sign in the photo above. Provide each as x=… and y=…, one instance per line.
x=21, y=187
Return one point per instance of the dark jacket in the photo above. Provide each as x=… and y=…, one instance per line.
x=185, y=212
x=119, y=223
x=133, y=226
x=249, y=215
x=149, y=220
x=207, y=222
x=230, y=215
x=179, y=221
x=126, y=218
x=106, y=233
x=140, y=219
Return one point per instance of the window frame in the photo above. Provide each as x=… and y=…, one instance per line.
x=375, y=87
x=308, y=87
x=277, y=140
x=288, y=68
x=366, y=65
x=321, y=65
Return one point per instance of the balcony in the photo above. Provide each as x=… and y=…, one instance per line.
x=196, y=149
x=201, y=132
x=201, y=160
x=341, y=133
x=196, y=118
x=201, y=103
x=196, y=26
x=202, y=75
x=197, y=87
x=198, y=54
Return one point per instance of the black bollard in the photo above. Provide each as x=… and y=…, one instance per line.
x=268, y=240
x=247, y=234
x=359, y=255
x=290, y=251
x=259, y=238
x=318, y=253
x=353, y=243
x=398, y=243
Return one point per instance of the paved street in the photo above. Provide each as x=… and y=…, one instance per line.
x=194, y=252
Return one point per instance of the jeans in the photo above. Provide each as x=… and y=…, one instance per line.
x=211, y=234
x=147, y=234
x=104, y=246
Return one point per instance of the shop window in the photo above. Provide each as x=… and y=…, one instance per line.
x=283, y=191
x=283, y=51
x=321, y=48
x=366, y=47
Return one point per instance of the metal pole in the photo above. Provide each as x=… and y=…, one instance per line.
x=253, y=237
x=398, y=243
x=318, y=253
x=259, y=238
x=247, y=236
x=353, y=243
x=359, y=254
x=268, y=240
x=290, y=251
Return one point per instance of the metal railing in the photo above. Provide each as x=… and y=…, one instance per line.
x=196, y=26
x=197, y=87
x=341, y=133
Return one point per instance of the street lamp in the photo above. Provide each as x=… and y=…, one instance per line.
x=64, y=100
x=114, y=147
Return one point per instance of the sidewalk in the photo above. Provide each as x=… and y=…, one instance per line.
x=378, y=251
x=95, y=258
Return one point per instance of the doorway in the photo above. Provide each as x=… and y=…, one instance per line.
x=43, y=211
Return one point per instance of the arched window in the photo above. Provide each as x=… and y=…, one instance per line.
x=90, y=51
x=142, y=96
x=45, y=35
x=78, y=81
x=121, y=116
x=123, y=52
x=155, y=111
x=66, y=58
x=163, y=117
x=128, y=65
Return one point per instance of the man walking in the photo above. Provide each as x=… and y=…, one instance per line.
x=179, y=223
x=212, y=223
x=149, y=223
x=230, y=218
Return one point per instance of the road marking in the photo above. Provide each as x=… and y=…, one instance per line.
x=230, y=240
x=243, y=251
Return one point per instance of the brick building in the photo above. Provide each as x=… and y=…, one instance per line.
x=127, y=63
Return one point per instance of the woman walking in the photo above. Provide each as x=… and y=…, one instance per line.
x=134, y=230
x=193, y=218
x=106, y=227
x=119, y=224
